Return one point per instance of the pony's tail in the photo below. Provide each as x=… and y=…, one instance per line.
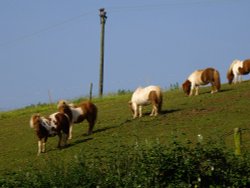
x=217, y=80
x=31, y=123
x=160, y=102
x=33, y=119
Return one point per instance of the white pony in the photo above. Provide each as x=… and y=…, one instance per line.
x=202, y=77
x=145, y=96
x=237, y=69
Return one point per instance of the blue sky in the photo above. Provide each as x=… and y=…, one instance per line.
x=54, y=46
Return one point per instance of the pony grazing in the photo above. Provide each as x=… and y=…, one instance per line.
x=55, y=124
x=202, y=77
x=145, y=96
x=78, y=113
x=237, y=69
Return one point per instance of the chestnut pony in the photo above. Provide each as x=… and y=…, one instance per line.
x=78, y=113
x=237, y=69
x=202, y=77
x=55, y=124
x=145, y=96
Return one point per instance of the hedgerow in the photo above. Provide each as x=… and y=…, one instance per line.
x=144, y=165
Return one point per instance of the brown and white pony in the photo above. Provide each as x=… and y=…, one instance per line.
x=78, y=113
x=202, y=77
x=237, y=69
x=145, y=96
x=55, y=124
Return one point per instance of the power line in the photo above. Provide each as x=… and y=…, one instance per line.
x=113, y=9
x=163, y=5
x=44, y=29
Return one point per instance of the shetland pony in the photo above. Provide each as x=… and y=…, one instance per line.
x=78, y=113
x=55, y=124
x=237, y=69
x=145, y=96
x=202, y=77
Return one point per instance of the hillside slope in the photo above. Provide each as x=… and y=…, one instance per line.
x=212, y=116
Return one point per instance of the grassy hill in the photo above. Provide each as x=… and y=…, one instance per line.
x=212, y=116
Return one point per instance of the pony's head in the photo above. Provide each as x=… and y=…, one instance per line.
x=65, y=104
x=230, y=76
x=35, y=120
x=62, y=103
x=186, y=86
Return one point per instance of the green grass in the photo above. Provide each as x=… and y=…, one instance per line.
x=213, y=116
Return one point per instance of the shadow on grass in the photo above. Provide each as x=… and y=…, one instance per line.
x=102, y=129
x=163, y=112
x=79, y=142
x=221, y=91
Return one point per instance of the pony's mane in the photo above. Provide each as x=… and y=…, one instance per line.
x=232, y=65
x=230, y=75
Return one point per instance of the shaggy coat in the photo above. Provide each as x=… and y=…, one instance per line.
x=55, y=124
x=202, y=77
x=237, y=69
x=145, y=96
x=77, y=113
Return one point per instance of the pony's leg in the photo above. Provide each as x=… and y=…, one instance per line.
x=70, y=131
x=135, y=111
x=196, y=90
x=213, y=90
x=237, y=79
x=44, y=144
x=140, y=111
x=60, y=140
x=64, y=138
x=191, y=90
x=44, y=147
x=39, y=147
x=154, y=111
x=91, y=125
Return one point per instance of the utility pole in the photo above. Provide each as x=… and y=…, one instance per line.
x=103, y=18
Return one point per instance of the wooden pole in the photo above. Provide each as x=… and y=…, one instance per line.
x=90, y=91
x=237, y=141
x=103, y=18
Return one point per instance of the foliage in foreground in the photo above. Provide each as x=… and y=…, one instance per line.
x=149, y=165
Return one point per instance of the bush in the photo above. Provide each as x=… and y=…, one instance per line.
x=148, y=165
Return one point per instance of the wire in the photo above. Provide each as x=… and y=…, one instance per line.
x=45, y=29
x=164, y=5
x=112, y=9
